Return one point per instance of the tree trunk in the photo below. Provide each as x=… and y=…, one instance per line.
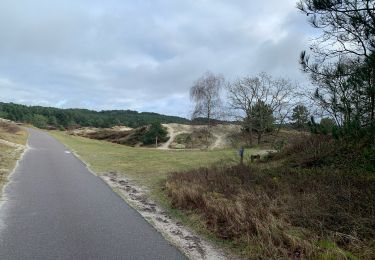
x=372, y=96
x=248, y=125
x=208, y=124
x=251, y=137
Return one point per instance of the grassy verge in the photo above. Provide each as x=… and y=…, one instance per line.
x=10, y=136
x=146, y=166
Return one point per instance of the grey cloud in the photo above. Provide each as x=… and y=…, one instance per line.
x=140, y=54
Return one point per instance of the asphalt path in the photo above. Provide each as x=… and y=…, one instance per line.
x=55, y=208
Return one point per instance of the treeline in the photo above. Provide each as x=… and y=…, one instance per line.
x=44, y=117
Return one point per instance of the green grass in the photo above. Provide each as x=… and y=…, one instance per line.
x=332, y=251
x=146, y=166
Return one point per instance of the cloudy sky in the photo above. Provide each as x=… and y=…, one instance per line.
x=140, y=54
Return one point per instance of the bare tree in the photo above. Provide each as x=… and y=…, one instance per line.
x=242, y=97
x=247, y=93
x=206, y=94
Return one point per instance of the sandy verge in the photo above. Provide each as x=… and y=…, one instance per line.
x=189, y=243
x=20, y=151
x=14, y=145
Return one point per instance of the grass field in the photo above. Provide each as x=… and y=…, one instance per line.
x=146, y=166
x=10, y=137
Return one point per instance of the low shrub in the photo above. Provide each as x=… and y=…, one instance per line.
x=325, y=151
x=142, y=135
x=281, y=212
x=9, y=127
x=130, y=137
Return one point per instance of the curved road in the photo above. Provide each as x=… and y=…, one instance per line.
x=56, y=209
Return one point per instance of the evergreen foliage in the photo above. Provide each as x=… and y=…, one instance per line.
x=262, y=119
x=155, y=131
x=65, y=118
x=300, y=116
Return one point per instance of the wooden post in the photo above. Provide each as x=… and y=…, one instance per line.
x=156, y=142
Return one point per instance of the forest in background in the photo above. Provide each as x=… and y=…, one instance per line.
x=51, y=117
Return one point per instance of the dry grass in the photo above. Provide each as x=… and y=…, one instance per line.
x=11, y=134
x=286, y=207
x=9, y=127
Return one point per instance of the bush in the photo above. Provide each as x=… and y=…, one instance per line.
x=268, y=210
x=9, y=127
x=278, y=145
x=312, y=191
x=369, y=156
x=312, y=151
x=155, y=130
x=318, y=150
x=39, y=121
x=131, y=137
x=326, y=125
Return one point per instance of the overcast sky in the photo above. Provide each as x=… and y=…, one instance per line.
x=141, y=55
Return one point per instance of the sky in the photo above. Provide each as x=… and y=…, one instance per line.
x=141, y=55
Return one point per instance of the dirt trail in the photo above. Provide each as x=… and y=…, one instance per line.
x=221, y=133
x=220, y=142
x=172, y=136
x=173, y=131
